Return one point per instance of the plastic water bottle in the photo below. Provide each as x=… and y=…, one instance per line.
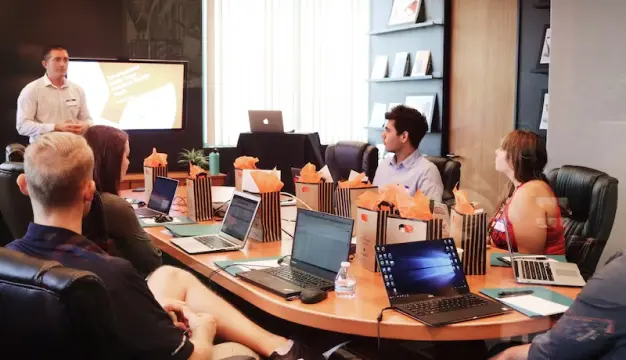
x=345, y=284
x=214, y=162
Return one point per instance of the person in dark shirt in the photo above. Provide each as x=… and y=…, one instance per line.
x=594, y=327
x=172, y=315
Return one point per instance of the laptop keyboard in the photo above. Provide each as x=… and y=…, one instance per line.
x=440, y=305
x=144, y=211
x=535, y=270
x=214, y=242
x=298, y=277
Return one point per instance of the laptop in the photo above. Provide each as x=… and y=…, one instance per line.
x=266, y=121
x=425, y=281
x=527, y=270
x=321, y=242
x=161, y=198
x=234, y=231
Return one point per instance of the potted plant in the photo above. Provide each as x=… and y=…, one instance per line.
x=195, y=157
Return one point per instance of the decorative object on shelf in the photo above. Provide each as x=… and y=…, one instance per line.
x=401, y=65
x=425, y=104
x=544, y=55
x=394, y=29
x=421, y=65
x=380, y=70
x=542, y=4
x=543, y=124
x=377, y=120
x=404, y=12
x=195, y=157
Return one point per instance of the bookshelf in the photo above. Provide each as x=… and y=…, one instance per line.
x=431, y=32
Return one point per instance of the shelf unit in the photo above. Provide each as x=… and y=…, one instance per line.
x=531, y=80
x=431, y=34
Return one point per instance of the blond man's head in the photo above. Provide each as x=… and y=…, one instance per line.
x=58, y=171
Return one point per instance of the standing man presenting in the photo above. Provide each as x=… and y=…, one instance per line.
x=52, y=103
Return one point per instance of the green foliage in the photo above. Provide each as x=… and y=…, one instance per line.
x=196, y=157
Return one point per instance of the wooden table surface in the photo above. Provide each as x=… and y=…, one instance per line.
x=355, y=316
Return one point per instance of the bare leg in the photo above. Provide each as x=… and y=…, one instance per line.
x=168, y=282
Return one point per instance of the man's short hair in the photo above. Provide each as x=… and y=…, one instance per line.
x=56, y=167
x=409, y=120
x=48, y=49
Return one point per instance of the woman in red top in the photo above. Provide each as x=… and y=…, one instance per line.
x=531, y=210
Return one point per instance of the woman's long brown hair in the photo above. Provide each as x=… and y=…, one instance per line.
x=108, y=145
x=528, y=156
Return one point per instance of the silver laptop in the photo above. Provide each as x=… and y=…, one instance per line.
x=543, y=272
x=266, y=121
x=234, y=231
x=161, y=198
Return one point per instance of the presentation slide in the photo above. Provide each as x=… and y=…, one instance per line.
x=132, y=95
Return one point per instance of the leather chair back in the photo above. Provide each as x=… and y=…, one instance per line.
x=589, y=200
x=450, y=171
x=15, y=207
x=49, y=311
x=351, y=155
x=15, y=153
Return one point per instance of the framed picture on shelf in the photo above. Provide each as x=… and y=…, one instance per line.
x=543, y=60
x=545, y=104
x=425, y=103
x=404, y=12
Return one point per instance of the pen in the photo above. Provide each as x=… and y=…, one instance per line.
x=503, y=294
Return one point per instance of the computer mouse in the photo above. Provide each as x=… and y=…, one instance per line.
x=312, y=296
x=163, y=218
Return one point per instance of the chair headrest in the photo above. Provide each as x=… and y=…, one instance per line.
x=12, y=167
x=23, y=269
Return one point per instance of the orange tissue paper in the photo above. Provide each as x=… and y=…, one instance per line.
x=267, y=182
x=462, y=206
x=416, y=207
x=309, y=175
x=245, y=162
x=155, y=159
x=354, y=183
x=195, y=171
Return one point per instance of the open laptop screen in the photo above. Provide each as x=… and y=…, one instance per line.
x=430, y=268
x=239, y=216
x=321, y=240
x=162, y=195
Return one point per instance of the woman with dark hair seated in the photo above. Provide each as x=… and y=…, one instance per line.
x=530, y=211
x=111, y=150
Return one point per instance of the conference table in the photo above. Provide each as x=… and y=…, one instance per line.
x=355, y=316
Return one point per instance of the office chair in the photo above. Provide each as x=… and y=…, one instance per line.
x=450, y=171
x=15, y=207
x=15, y=153
x=589, y=201
x=351, y=155
x=50, y=311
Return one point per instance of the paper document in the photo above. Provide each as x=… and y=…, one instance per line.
x=535, y=304
x=150, y=221
x=255, y=265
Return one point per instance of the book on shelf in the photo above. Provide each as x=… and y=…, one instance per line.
x=404, y=12
x=380, y=70
x=422, y=63
x=377, y=120
x=401, y=65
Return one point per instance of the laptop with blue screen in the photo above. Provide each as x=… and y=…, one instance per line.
x=425, y=280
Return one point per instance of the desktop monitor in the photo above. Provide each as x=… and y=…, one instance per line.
x=132, y=94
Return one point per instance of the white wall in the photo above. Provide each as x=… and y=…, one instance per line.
x=588, y=94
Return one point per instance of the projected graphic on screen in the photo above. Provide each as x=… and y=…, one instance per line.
x=132, y=95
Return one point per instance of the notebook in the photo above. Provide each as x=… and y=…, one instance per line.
x=541, y=302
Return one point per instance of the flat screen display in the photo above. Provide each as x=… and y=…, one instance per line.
x=132, y=95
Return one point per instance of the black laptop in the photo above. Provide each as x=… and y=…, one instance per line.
x=321, y=242
x=425, y=280
x=161, y=198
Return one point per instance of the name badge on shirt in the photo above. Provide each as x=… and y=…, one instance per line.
x=499, y=226
x=71, y=102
